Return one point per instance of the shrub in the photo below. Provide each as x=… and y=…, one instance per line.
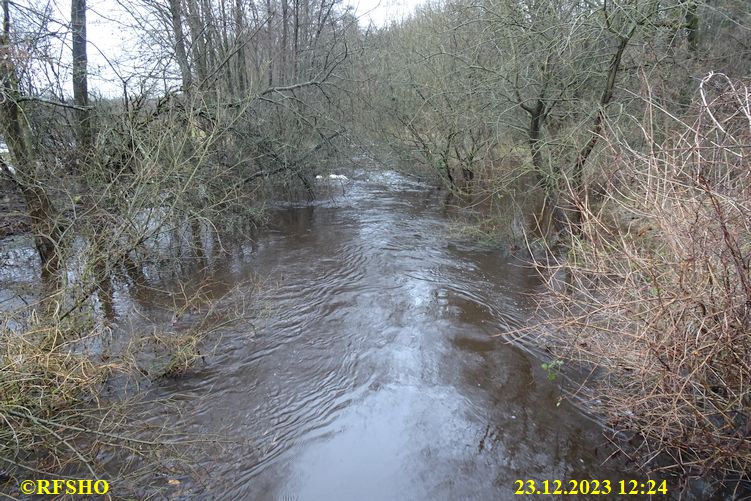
x=654, y=296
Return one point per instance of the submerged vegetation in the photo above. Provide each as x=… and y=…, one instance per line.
x=610, y=140
x=135, y=195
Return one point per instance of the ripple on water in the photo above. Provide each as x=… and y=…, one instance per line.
x=375, y=375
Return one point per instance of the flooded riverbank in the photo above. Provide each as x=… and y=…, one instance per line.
x=379, y=373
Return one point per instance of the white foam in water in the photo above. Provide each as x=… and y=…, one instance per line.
x=334, y=176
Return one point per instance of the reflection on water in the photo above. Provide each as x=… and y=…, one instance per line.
x=377, y=374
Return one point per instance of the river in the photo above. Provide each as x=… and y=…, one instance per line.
x=380, y=371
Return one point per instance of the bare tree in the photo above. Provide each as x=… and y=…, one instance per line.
x=26, y=167
x=80, y=72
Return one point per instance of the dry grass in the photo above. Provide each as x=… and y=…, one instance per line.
x=655, y=296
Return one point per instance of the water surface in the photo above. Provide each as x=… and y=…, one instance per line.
x=378, y=373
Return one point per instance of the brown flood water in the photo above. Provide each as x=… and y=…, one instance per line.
x=378, y=374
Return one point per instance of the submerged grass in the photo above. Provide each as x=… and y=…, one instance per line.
x=72, y=398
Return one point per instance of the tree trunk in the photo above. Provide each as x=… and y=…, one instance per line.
x=285, y=35
x=210, y=48
x=180, y=52
x=240, y=44
x=577, y=175
x=692, y=28
x=270, y=42
x=44, y=217
x=534, y=134
x=198, y=41
x=80, y=77
x=229, y=80
x=296, y=42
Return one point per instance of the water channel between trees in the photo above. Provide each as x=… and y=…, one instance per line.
x=378, y=373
